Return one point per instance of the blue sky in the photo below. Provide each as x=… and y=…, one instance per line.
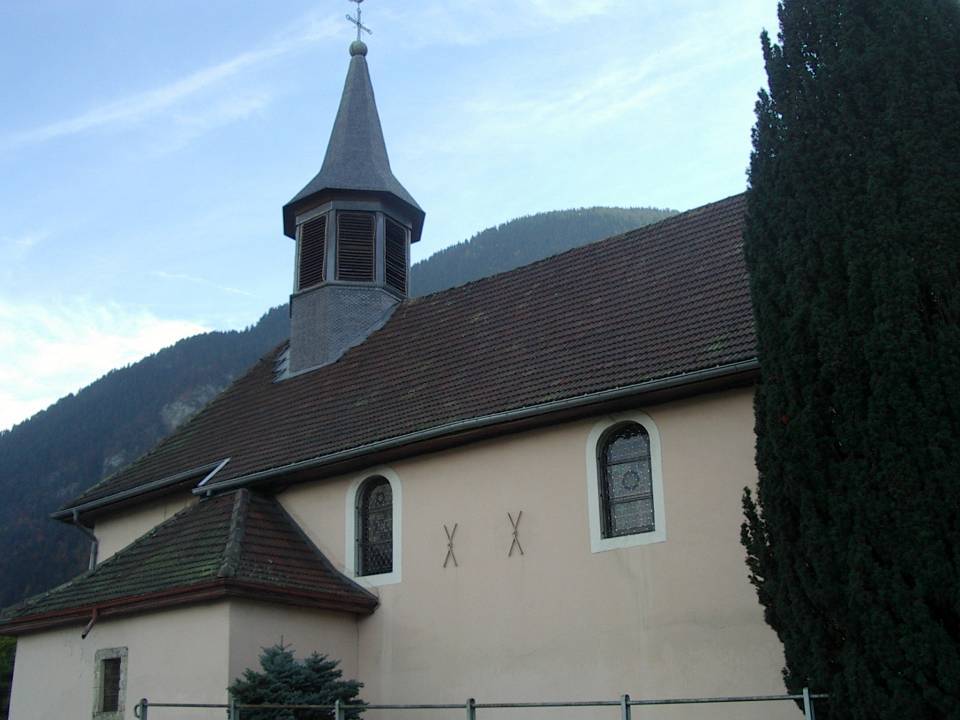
x=146, y=148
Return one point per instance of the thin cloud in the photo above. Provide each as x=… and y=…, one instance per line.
x=25, y=241
x=572, y=10
x=201, y=281
x=475, y=22
x=517, y=111
x=52, y=350
x=140, y=106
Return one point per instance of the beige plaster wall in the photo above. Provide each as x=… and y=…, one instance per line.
x=115, y=532
x=676, y=618
x=254, y=626
x=176, y=655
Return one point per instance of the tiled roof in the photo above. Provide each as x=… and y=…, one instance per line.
x=661, y=301
x=237, y=543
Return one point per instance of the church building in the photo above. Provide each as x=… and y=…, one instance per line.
x=526, y=488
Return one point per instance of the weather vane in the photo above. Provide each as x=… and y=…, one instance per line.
x=356, y=21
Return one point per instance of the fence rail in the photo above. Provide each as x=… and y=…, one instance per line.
x=470, y=707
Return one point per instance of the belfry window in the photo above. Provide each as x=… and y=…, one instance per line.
x=313, y=251
x=374, y=527
x=356, y=246
x=626, y=481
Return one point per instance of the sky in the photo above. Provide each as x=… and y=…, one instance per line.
x=146, y=148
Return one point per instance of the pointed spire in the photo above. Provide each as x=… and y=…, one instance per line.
x=356, y=158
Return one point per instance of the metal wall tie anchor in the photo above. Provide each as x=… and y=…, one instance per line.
x=450, y=556
x=516, y=539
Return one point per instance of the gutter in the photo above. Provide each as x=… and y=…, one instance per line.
x=89, y=626
x=674, y=381
x=210, y=469
x=215, y=589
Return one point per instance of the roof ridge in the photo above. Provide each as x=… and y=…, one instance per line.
x=238, y=526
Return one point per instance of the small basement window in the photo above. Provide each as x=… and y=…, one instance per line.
x=110, y=683
x=110, y=690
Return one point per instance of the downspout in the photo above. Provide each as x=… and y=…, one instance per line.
x=94, y=543
x=89, y=627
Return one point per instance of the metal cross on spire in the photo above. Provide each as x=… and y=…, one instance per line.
x=357, y=21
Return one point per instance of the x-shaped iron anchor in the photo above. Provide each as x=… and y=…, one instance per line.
x=516, y=538
x=450, y=556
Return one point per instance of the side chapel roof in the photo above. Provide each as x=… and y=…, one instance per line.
x=660, y=303
x=237, y=544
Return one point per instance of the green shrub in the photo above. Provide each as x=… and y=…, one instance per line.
x=284, y=680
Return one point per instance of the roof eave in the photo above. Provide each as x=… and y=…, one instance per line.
x=161, y=486
x=301, y=204
x=709, y=379
x=219, y=589
x=705, y=380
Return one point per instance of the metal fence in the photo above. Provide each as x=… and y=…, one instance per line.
x=235, y=711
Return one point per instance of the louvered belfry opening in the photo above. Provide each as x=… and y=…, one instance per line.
x=395, y=256
x=356, y=244
x=313, y=251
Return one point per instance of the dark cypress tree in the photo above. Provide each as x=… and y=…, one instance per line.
x=853, y=248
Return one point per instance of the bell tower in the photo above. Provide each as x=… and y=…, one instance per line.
x=353, y=225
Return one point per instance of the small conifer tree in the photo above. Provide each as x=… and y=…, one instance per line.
x=853, y=249
x=284, y=680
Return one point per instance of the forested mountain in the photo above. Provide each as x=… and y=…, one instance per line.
x=61, y=451
x=81, y=438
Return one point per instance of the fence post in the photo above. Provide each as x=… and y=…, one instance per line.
x=141, y=709
x=471, y=706
x=624, y=707
x=232, y=713
x=808, y=713
x=338, y=713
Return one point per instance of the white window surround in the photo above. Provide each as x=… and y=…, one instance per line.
x=98, y=679
x=350, y=542
x=598, y=543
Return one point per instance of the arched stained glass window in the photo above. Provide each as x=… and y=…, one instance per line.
x=374, y=527
x=626, y=481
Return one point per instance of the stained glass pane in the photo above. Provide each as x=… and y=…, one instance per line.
x=380, y=496
x=633, y=478
x=630, y=442
x=378, y=526
x=375, y=523
x=627, y=484
x=632, y=516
